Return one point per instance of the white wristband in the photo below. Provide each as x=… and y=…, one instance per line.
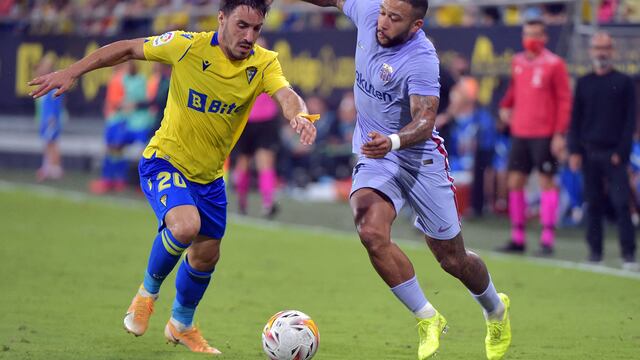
x=395, y=141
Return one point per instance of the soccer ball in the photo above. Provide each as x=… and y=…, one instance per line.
x=290, y=335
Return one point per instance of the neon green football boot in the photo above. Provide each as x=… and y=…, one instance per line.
x=429, y=331
x=499, y=333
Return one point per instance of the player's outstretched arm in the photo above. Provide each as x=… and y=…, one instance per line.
x=295, y=111
x=327, y=3
x=423, y=114
x=108, y=55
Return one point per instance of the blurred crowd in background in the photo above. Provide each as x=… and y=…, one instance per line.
x=477, y=141
x=109, y=17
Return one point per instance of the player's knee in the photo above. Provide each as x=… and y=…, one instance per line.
x=372, y=237
x=204, y=261
x=185, y=230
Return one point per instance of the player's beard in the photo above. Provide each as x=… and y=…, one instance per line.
x=393, y=41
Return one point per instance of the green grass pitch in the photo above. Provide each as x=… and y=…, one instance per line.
x=68, y=270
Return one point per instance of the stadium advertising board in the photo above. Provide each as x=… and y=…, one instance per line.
x=314, y=61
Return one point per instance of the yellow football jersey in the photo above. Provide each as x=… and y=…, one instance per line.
x=209, y=101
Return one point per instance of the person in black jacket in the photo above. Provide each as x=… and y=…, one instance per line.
x=600, y=138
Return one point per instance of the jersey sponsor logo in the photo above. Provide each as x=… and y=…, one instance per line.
x=164, y=38
x=369, y=90
x=200, y=102
x=386, y=71
x=251, y=73
x=205, y=65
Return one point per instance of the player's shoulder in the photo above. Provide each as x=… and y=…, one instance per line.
x=262, y=55
x=422, y=51
x=176, y=37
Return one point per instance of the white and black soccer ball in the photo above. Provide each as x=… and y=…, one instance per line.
x=290, y=335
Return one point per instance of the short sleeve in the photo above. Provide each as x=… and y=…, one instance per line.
x=360, y=10
x=274, y=79
x=424, y=78
x=168, y=48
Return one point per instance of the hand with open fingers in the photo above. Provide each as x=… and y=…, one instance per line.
x=61, y=80
x=303, y=126
x=377, y=147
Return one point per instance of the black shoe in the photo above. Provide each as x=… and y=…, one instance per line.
x=271, y=212
x=511, y=248
x=595, y=259
x=545, y=251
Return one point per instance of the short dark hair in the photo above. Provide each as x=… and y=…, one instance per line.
x=420, y=7
x=262, y=6
x=536, y=22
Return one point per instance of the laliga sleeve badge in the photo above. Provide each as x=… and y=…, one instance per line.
x=164, y=38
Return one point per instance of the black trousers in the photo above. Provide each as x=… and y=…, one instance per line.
x=483, y=160
x=602, y=179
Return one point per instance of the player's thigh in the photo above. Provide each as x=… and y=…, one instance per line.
x=381, y=176
x=520, y=158
x=373, y=214
x=169, y=195
x=212, y=208
x=543, y=159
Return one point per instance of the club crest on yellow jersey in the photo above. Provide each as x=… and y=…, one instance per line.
x=251, y=73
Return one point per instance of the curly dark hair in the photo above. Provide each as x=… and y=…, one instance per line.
x=227, y=6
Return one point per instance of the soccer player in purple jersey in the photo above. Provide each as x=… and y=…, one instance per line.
x=402, y=159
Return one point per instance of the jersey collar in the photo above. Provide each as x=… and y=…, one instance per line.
x=215, y=42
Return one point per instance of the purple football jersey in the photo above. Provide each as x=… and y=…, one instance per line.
x=386, y=77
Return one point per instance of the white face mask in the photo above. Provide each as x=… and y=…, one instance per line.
x=602, y=63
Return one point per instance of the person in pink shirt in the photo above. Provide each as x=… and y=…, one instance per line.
x=260, y=140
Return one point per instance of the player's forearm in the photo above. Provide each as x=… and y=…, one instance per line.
x=108, y=55
x=423, y=112
x=291, y=103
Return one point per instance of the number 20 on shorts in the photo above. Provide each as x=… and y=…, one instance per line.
x=165, y=177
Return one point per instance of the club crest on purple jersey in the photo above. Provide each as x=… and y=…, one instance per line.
x=386, y=71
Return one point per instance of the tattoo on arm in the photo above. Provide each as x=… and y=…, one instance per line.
x=423, y=114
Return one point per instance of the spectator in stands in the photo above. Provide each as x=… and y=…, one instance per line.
x=607, y=11
x=260, y=142
x=472, y=142
x=537, y=107
x=158, y=91
x=127, y=122
x=338, y=152
x=600, y=140
x=302, y=164
x=49, y=116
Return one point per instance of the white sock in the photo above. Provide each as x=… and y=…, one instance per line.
x=496, y=314
x=490, y=301
x=142, y=291
x=179, y=326
x=427, y=311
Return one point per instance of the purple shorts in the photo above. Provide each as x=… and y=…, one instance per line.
x=427, y=188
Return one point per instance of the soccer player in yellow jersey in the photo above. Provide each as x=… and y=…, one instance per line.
x=215, y=80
